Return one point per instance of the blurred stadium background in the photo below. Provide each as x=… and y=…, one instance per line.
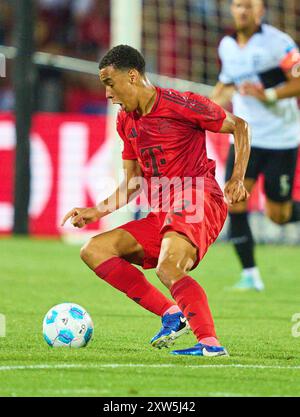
x=73, y=143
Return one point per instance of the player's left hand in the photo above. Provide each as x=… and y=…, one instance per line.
x=235, y=191
x=80, y=217
x=254, y=90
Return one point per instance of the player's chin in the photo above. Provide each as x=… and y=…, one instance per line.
x=128, y=109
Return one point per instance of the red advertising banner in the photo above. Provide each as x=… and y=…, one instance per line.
x=69, y=161
x=68, y=156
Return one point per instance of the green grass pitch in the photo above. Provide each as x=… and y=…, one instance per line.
x=255, y=328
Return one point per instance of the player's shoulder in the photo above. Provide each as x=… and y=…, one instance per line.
x=226, y=42
x=265, y=30
x=268, y=35
x=172, y=100
x=179, y=103
x=269, y=30
x=272, y=34
x=167, y=93
x=277, y=41
x=179, y=97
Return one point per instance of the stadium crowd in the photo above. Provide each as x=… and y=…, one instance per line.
x=180, y=39
x=77, y=28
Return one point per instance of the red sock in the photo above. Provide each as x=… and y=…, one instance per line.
x=128, y=279
x=192, y=301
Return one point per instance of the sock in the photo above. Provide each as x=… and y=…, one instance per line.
x=210, y=341
x=172, y=310
x=192, y=301
x=241, y=237
x=295, y=217
x=126, y=278
x=255, y=274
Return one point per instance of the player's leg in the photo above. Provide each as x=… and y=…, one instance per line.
x=177, y=257
x=283, y=213
x=239, y=228
x=115, y=243
x=279, y=179
x=110, y=256
x=174, y=323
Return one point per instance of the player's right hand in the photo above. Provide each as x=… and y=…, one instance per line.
x=80, y=217
x=235, y=191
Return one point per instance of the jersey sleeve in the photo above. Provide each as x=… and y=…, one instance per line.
x=224, y=76
x=286, y=52
x=203, y=112
x=128, y=151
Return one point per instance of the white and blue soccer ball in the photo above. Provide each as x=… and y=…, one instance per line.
x=67, y=325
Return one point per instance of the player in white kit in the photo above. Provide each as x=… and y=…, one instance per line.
x=261, y=75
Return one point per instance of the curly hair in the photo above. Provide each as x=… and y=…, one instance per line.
x=123, y=57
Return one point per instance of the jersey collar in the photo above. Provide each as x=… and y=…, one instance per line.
x=259, y=30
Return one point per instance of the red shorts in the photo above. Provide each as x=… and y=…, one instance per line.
x=202, y=229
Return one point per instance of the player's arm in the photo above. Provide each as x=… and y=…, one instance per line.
x=80, y=217
x=207, y=115
x=289, y=67
x=222, y=94
x=126, y=189
x=291, y=88
x=235, y=190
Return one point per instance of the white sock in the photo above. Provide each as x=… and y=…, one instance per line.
x=254, y=273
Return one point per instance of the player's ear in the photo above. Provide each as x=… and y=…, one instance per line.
x=133, y=75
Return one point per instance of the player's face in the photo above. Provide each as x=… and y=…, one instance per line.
x=247, y=13
x=121, y=87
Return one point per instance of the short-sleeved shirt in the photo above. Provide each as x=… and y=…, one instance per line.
x=275, y=126
x=170, y=141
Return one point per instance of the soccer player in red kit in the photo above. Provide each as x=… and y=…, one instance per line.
x=164, y=138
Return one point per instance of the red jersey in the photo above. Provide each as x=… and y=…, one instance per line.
x=170, y=141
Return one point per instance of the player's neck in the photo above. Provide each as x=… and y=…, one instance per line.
x=244, y=35
x=147, y=98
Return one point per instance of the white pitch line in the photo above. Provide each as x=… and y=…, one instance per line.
x=132, y=365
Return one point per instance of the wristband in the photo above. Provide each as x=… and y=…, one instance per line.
x=271, y=95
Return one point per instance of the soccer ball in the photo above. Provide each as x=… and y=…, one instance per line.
x=67, y=325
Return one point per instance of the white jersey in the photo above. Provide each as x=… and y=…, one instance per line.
x=275, y=126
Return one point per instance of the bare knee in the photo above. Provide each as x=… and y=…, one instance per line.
x=278, y=218
x=279, y=213
x=168, y=272
x=170, y=269
x=117, y=242
x=96, y=251
x=176, y=258
x=87, y=251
